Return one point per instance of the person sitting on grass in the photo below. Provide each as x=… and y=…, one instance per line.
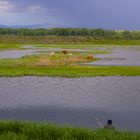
x=109, y=125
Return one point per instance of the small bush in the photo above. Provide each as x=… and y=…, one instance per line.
x=65, y=51
x=90, y=57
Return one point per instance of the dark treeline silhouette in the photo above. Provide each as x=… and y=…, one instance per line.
x=96, y=33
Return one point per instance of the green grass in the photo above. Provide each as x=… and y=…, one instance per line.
x=8, y=46
x=74, y=46
x=62, y=65
x=70, y=71
x=64, y=40
x=93, y=48
x=90, y=48
x=38, y=131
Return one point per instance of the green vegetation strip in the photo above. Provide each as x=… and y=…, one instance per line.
x=94, y=45
x=65, y=40
x=6, y=46
x=34, y=131
x=70, y=71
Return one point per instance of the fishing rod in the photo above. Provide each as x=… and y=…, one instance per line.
x=100, y=123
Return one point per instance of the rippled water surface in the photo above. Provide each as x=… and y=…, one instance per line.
x=119, y=56
x=75, y=101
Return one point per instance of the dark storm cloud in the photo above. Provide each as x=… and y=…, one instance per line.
x=113, y=14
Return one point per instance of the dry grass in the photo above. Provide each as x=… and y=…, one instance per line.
x=44, y=60
x=60, y=60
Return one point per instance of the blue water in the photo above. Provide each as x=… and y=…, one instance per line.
x=77, y=101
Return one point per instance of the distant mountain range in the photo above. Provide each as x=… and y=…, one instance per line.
x=2, y=26
x=33, y=26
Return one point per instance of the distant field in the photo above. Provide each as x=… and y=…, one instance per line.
x=34, y=131
x=16, y=42
x=81, y=40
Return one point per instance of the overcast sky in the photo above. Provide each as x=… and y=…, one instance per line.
x=109, y=14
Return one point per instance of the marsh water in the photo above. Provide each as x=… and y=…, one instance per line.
x=77, y=101
x=120, y=56
x=29, y=50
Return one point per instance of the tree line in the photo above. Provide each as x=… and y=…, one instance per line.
x=96, y=33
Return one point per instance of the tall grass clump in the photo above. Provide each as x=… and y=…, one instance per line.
x=40, y=131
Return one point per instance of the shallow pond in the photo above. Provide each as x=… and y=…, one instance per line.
x=126, y=56
x=29, y=50
x=77, y=101
x=119, y=57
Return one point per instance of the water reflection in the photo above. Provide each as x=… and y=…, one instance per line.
x=75, y=117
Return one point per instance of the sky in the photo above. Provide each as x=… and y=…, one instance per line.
x=107, y=14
